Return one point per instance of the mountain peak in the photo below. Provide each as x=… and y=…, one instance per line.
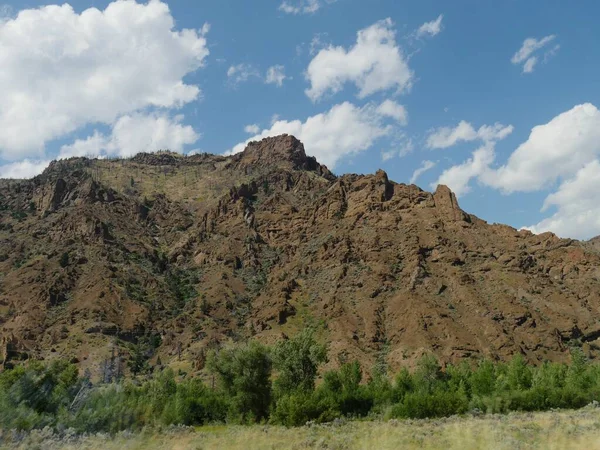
x=285, y=151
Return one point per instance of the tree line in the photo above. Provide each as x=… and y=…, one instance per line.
x=259, y=384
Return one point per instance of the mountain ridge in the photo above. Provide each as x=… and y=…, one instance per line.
x=192, y=251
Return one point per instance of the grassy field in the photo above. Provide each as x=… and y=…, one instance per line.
x=549, y=430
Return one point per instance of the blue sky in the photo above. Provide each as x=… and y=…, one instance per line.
x=452, y=87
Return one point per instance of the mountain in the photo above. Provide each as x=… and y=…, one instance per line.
x=166, y=255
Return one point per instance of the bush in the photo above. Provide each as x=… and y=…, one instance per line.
x=298, y=408
x=441, y=403
x=37, y=395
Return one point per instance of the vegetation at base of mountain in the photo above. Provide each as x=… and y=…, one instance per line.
x=254, y=383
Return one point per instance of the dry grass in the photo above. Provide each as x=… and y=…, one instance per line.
x=549, y=431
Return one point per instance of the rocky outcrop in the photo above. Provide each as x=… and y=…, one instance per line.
x=447, y=205
x=283, y=151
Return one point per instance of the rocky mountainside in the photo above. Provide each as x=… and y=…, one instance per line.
x=165, y=256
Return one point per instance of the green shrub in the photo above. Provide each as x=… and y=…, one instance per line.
x=440, y=403
x=37, y=395
x=298, y=408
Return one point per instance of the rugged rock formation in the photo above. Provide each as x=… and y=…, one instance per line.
x=189, y=252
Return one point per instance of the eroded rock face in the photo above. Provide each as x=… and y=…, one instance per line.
x=205, y=249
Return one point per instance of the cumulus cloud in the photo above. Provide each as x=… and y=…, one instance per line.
x=526, y=53
x=446, y=137
x=23, y=169
x=135, y=133
x=566, y=150
x=252, y=129
x=375, y=63
x=62, y=70
x=432, y=28
x=427, y=165
x=576, y=201
x=130, y=134
x=458, y=177
x=302, y=6
x=343, y=131
x=275, y=75
x=392, y=109
x=555, y=150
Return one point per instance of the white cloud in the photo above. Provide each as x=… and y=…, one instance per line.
x=241, y=72
x=302, y=6
x=252, y=129
x=427, y=165
x=342, y=131
x=578, y=209
x=375, y=63
x=458, y=177
x=431, y=28
x=275, y=75
x=132, y=134
x=530, y=64
x=529, y=47
x=555, y=150
x=445, y=137
x=62, y=70
x=394, y=110
x=496, y=132
x=564, y=150
x=23, y=169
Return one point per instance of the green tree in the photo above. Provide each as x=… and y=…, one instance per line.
x=576, y=376
x=483, y=378
x=244, y=374
x=518, y=375
x=297, y=361
x=428, y=376
x=344, y=387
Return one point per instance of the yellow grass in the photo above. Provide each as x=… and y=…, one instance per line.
x=549, y=431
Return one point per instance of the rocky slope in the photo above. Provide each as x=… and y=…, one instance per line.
x=178, y=254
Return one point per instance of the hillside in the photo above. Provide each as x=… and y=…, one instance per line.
x=168, y=255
